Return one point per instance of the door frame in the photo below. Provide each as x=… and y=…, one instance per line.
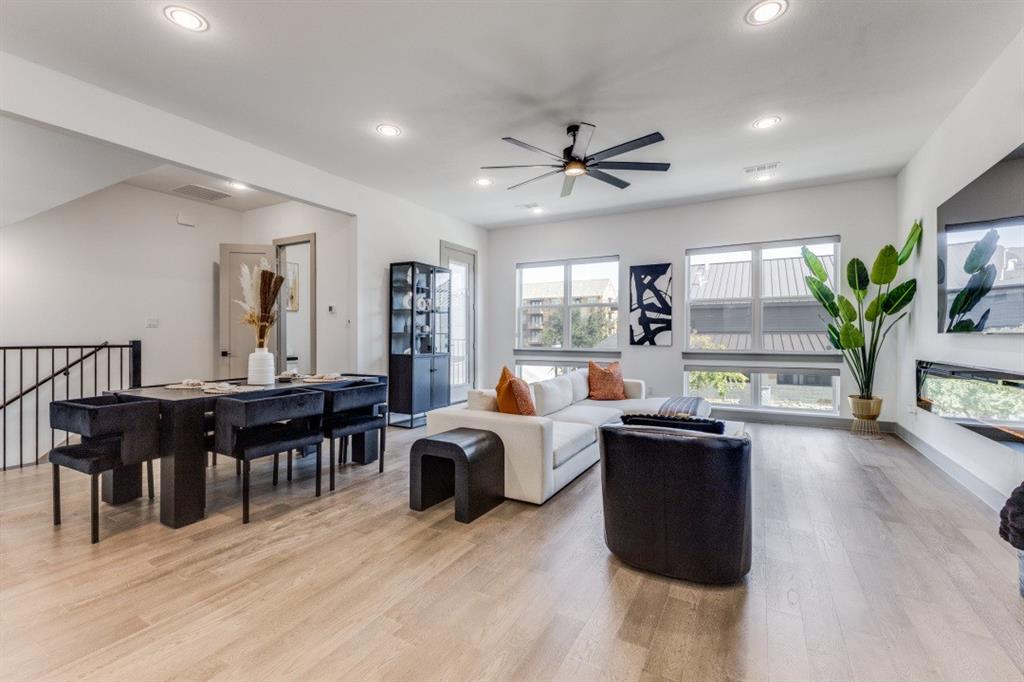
x=224, y=302
x=279, y=244
x=472, y=342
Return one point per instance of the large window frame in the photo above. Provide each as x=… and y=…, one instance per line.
x=756, y=384
x=756, y=300
x=567, y=306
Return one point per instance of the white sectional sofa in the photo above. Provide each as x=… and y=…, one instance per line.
x=545, y=453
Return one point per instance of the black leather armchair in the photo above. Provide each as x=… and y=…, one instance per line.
x=677, y=502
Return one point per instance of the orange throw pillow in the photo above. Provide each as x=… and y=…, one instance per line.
x=514, y=395
x=606, y=382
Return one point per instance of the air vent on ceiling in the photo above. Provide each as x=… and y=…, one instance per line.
x=762, y=171
x=200, y=192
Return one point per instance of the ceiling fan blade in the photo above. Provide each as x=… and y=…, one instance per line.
x=605, y=177
x=626, y=147
x=583, y=135
x=567, y=184
x=520, y=143
x=526, y=182
x=631, y=165
x=537, y=165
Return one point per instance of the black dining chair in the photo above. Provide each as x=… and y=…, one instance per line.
x=351, y=409
x=250, y=427
x=114, y=434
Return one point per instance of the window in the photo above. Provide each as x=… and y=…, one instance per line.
x=532, y=371
x=805, y=389
x=753, y=298
x=568, y=305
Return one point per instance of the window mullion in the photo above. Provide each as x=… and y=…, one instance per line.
x=756, y=340
x=566, y=309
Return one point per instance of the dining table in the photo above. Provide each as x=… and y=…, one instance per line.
x=183, y=446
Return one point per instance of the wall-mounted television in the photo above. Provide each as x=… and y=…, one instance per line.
x=981, y=253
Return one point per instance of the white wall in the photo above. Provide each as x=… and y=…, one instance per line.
x=862, y=213
x=42, y=167
x=388, y=228
x=336, y=266
x=985, y=126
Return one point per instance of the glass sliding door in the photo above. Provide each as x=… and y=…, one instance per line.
x=462, y=344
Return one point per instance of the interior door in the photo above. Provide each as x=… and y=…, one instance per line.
x=237, y=339
x=462, y=343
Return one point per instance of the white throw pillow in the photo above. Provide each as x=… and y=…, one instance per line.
x=580, y=380
x=552, y=395
x=486, y=400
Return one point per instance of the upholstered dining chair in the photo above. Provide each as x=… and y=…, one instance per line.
x=264, y=424
x=114, y=433
x=351, y=410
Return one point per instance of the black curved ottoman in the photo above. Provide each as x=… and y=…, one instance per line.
x=677, y=502
x=466, y=463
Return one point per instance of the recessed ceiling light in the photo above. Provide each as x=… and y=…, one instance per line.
x=767, y=122
x=537, y=209
x=388, y=130
x=186, y=18
x=234, y=184
x=766, y=12
x=483, y=182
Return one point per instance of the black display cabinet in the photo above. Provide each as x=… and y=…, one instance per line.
x=420, y=329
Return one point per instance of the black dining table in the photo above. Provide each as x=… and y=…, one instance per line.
x=183, y=448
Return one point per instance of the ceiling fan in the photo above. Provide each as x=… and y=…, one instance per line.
x=575, y=162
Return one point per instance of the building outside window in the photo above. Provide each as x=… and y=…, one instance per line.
x=750, y=302
x=568, y=305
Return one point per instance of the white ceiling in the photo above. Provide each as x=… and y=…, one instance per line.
x=168, y=177
x=860, y=85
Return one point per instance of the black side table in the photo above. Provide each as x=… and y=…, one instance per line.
x=466, y=463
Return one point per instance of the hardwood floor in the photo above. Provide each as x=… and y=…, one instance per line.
x=869, y=564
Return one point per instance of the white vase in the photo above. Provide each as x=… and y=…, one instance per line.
x=261, y=368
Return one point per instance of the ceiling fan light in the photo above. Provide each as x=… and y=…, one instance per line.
x=575, y=168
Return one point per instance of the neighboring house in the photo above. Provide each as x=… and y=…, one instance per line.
x=721, y=310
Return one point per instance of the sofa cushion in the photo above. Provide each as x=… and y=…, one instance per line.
x=606, y=382
x=485, y=400
x=568, y=439
x=552, y=395
x=514, y=395
x=587, y=414
x=580, y=384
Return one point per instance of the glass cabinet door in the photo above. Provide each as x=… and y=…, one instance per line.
x=422, y=338
x=442, y=309
x=401, y=309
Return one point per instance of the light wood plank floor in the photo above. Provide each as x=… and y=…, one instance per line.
x=869, y=564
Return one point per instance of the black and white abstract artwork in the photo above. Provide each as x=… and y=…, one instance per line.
x=650, y=305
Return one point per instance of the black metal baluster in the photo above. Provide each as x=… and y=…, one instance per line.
x=21, y=407
x=67, y=384
x=53, y=389
x=108, y=368
x=4, y=449
x=95, y=370
x=120, y=369
x=81, y=372
x=36, y=439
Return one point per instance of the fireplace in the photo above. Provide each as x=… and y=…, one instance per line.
x=989, y=402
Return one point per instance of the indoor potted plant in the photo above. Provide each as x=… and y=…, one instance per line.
x=858, y=328
x=260, y=287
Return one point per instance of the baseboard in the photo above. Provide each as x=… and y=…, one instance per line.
x=825, y=421
x=983, y=491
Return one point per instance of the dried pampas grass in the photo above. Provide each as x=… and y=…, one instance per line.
x=260, y=287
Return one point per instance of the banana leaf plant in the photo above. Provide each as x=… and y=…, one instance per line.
x=858, y=329
x=983, y=276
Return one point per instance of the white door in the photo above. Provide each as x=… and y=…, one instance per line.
x=462, y=262
x=238, y=339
